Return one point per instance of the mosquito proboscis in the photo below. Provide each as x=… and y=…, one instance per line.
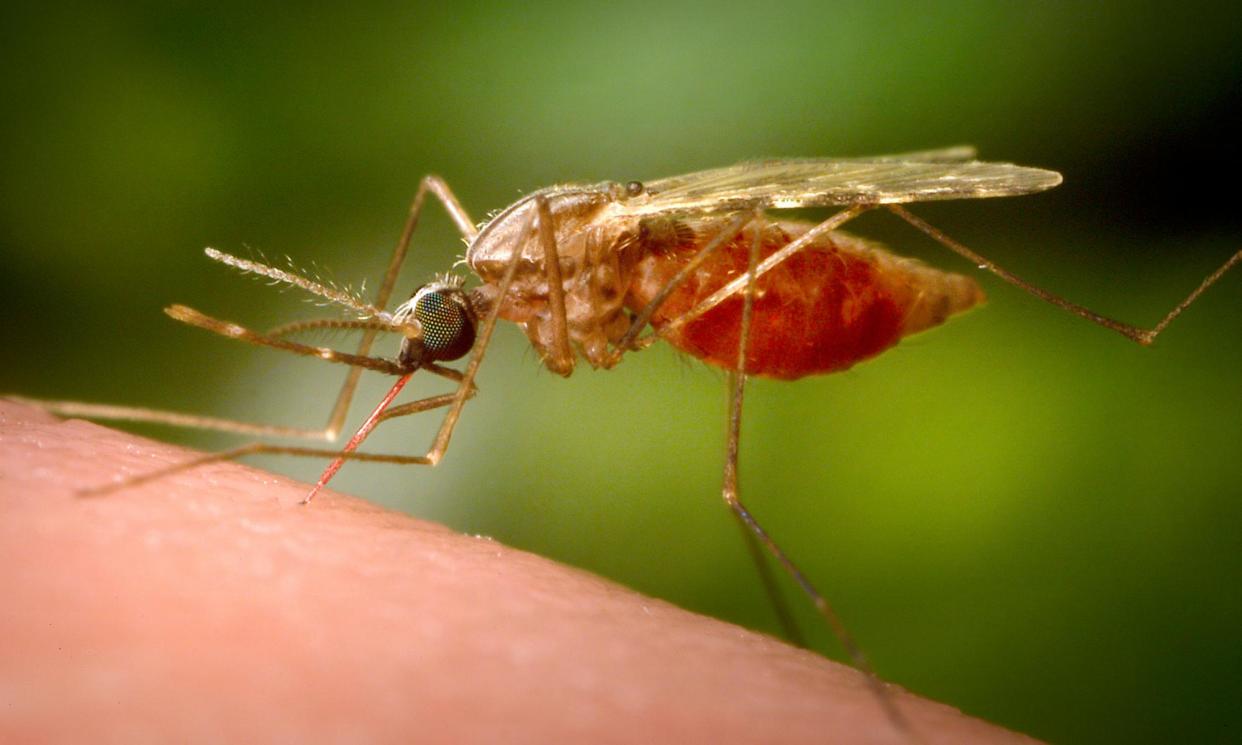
x=598, y=270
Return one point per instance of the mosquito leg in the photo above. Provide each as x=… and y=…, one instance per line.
x=465, y=388
x=260, y=448
x=561, y=361
x=430, y=184
x=765, y=266
x=1133, y=333
x=233, y=426
x=770, y=587
x=170, y=418
x=464, y=391
x=423, y=404
x=438, y=188
x=178, y=419
x=630, y=340
x=736, y=383
x=784, y=617
x=729, y=490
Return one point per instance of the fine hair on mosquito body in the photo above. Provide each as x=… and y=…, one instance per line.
x=595, y=271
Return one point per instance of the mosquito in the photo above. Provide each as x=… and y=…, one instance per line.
x=599, y=270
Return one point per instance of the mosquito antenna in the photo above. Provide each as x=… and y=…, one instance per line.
x=331, y=294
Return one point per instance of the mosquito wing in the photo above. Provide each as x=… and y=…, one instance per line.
x=787, y=184
x=952, y=154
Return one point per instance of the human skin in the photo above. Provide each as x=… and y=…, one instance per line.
x=210, y=606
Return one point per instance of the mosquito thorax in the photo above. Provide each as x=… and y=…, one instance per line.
x=439, y=323
x=575, y=209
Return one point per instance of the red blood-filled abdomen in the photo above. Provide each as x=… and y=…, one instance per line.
x=840, y=301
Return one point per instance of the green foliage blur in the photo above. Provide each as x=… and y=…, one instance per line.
x=1019, y=514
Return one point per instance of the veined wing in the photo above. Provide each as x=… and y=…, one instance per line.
x=951, y=154
x=786, y=184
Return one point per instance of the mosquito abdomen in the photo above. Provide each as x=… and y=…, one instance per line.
x=840, y=301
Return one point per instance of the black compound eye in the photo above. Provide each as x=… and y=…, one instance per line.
x=447, y=322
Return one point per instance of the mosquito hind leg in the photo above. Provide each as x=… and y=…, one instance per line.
x=771, y=590
x=732, y=498
x=1134, y=333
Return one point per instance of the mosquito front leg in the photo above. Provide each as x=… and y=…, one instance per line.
x=264, y=448
x=465, y=388
x=85, y=410
x=1134, y=333
x=439, y=189
x=430, y=184
x=233, y=331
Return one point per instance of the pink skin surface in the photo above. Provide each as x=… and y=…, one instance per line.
x=210, y=606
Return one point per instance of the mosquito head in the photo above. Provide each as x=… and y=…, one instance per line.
x=439, y=320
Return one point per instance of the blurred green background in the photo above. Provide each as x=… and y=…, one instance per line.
x=1019, y=514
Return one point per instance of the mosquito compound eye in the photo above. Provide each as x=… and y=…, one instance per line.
x=446, y=320
x=634, y=188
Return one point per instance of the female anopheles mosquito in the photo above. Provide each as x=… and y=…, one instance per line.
x=588, y=268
